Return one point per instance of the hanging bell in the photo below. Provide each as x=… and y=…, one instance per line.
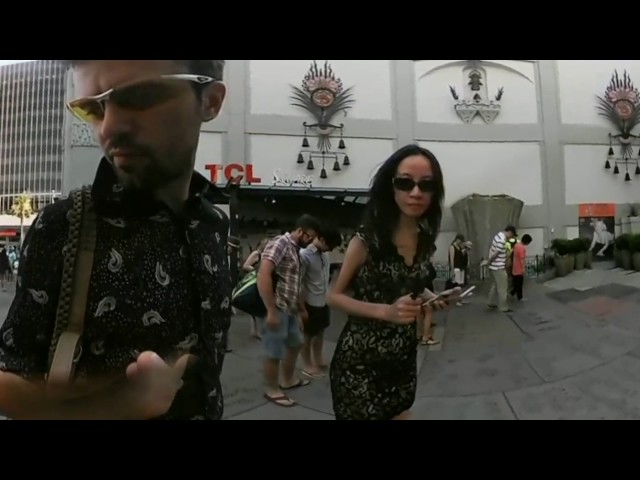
x=627, y=177
x=300, y=158
x=637, y=169
x=336, y=166
x=611, y=151
x=341, y=145
x=323, y=173
x=607, y=165
x=616, y=170
x=311, y=166
x=305, y=142
x=346, y=162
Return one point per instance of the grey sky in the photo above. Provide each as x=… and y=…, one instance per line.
x=7, y=62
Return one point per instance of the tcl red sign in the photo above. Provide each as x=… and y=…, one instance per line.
x=8, y=233
x=232, y=171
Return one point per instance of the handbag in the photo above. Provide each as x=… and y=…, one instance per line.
x=246, y=297
x=66, y=345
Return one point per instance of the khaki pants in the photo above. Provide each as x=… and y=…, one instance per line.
x=499, y=288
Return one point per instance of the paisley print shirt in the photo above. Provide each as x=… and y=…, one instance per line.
x=160, y=283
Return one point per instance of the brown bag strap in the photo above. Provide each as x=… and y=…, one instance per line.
x=66, y=346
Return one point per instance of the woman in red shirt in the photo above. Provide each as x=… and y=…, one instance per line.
x=519, y=267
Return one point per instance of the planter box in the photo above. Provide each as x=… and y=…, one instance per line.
x=564, y=265
x=588, y=259
x=625, y=259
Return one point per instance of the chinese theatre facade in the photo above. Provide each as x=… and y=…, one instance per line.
x=544, y=140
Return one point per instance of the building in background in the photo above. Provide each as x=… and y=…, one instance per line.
x=32, y=139
x=529, y=129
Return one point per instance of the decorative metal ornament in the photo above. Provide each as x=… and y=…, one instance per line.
x=475, y=99
x=620, y=106
x=324, y=97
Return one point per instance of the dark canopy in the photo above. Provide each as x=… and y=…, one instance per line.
x=340, y=209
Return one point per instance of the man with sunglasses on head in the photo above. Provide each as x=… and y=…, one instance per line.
x=158, y=300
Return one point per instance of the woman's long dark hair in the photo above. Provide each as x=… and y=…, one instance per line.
x=382, y=212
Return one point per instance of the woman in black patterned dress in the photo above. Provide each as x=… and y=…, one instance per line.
x=374, y=368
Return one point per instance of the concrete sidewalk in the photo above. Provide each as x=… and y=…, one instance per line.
x=566, y=353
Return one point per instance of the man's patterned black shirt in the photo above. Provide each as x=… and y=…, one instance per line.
x=159, y=283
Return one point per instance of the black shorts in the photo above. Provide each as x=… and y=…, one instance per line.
x=319, y=320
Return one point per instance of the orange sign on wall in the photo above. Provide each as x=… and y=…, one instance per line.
x=598, y=210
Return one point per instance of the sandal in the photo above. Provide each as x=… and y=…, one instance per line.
x=281, y=401
x=298, y=384
x=429, y=342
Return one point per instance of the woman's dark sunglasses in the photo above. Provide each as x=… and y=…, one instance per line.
x=408, y=184
x=134, y=96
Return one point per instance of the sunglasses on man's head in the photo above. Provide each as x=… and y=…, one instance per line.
x=404, y=184
x=138, y=96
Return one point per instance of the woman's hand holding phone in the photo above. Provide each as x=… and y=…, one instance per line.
x=441, y=301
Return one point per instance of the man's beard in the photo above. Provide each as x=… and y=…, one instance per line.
x=147, y=172
x=146, y=178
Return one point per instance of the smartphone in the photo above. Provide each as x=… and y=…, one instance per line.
x=448, y=293
x=467, y=292
x=441, y=296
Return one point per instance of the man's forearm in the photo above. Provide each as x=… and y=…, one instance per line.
x=265, y=289
x=493, y=255
x=26, y=400
x=115, y=403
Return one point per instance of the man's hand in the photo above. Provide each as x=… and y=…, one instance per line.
x=273, y=320
x=155, y=384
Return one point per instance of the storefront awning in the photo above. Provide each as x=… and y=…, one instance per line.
x=343, y=209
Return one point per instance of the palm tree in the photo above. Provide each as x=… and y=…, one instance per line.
x=22, y=208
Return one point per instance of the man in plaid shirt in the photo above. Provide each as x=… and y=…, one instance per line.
x=282, y=334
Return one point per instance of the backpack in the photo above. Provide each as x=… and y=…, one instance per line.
x=66, y=344
x=246, y=297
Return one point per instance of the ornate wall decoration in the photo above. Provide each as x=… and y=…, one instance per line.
x=81, y=135
x=324, y=97
x=620, y=105
x=475, y=98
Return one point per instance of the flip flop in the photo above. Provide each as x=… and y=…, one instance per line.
x=279, y=401
x=298, y=384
